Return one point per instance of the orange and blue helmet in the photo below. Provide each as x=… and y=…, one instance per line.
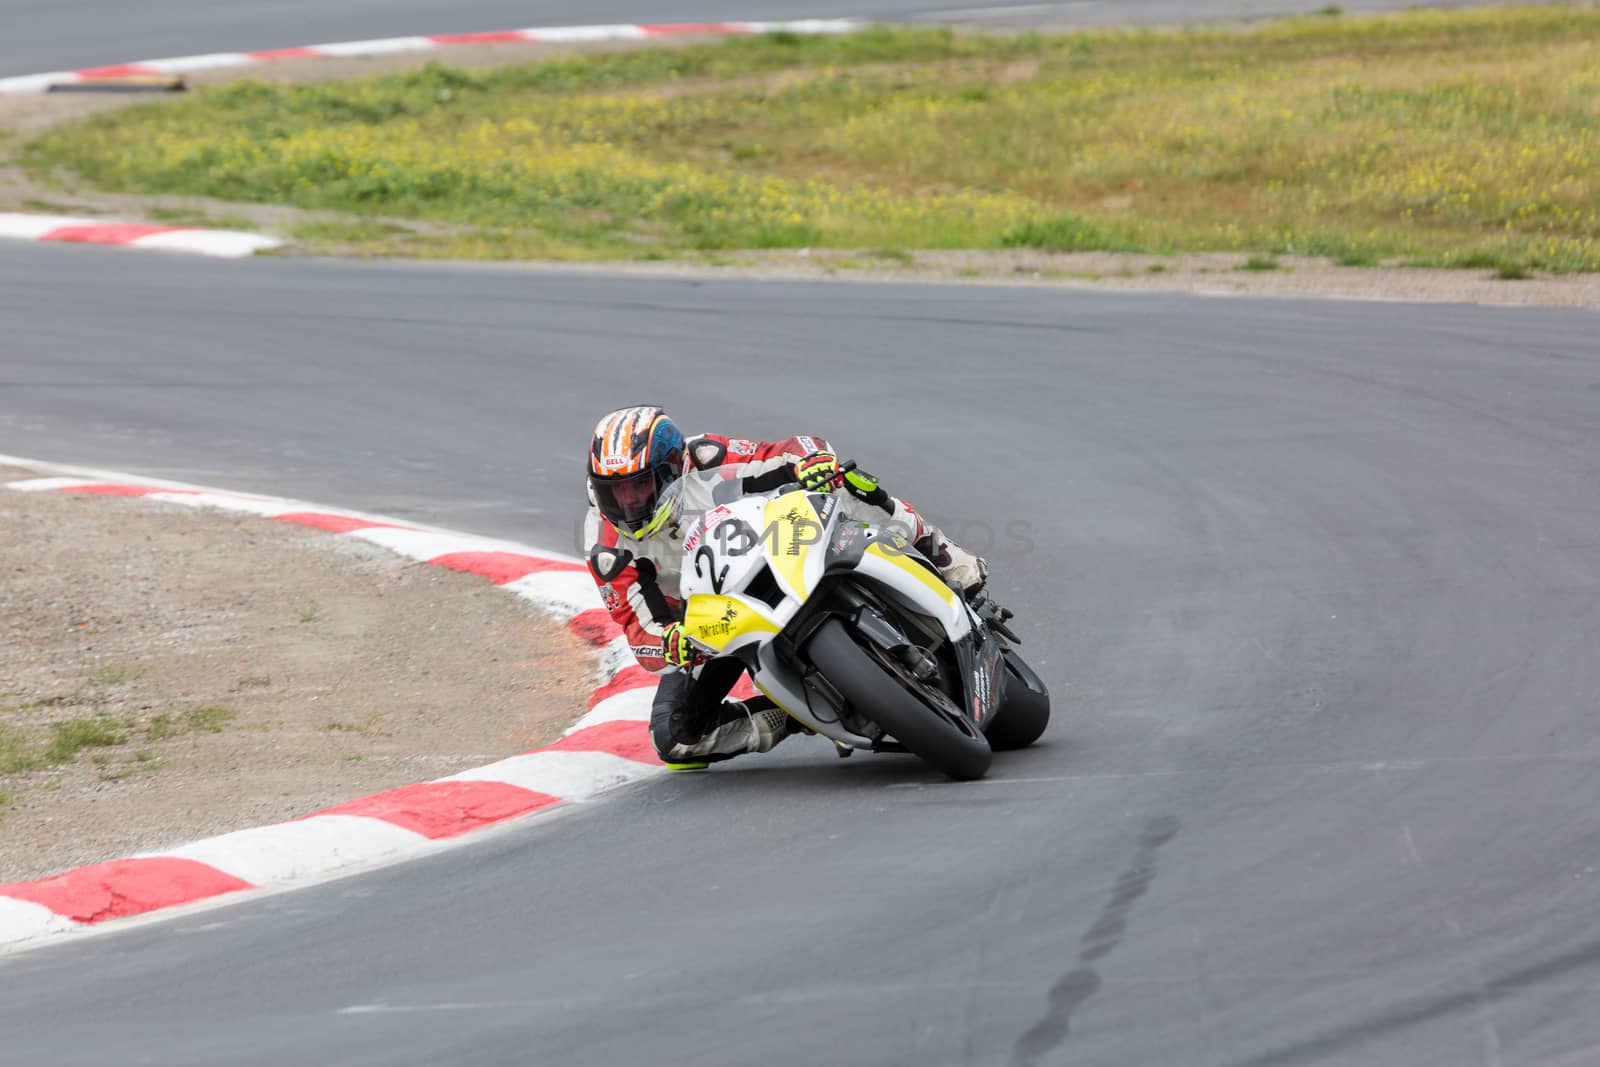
x=635, y=467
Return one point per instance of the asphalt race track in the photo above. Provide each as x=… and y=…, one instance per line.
x=1315, y=583
x=44, y=35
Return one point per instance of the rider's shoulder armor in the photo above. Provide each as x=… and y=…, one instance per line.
x=608, y=562
x=707, y=451
x=608, y=557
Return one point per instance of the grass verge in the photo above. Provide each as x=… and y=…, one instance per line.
x=21, y=752
x=1431, y=138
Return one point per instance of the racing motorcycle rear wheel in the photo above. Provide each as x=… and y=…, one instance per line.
x=884, y=692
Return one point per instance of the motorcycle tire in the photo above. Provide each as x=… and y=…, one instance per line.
x=1024, y=710
x=884, y=697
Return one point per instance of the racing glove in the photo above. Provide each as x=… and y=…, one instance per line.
x=818, y=472
x=675, y=647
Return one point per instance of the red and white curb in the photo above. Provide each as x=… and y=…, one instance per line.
x=36, y=83
x=607, y=747
x=231, y=244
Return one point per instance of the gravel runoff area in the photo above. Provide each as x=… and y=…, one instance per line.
x=1221, y=274
x=167, y=674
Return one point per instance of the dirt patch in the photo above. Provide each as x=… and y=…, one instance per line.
x=168, y=674
x=1214, y=273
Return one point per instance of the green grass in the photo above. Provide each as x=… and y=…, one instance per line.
x=359, y=231
x=1504, y=265
x=17, y=753
x=111, y=674
x=1063, y=233
x=71, y=736
x=1261, y=263
x=207, y=720
x=1425, y=137
x=21, y=751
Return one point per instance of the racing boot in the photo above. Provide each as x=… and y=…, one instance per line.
x=957, y=565
x=752, y=731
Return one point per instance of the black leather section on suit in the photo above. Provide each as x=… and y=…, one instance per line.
x=650, y=589
x=609, y=563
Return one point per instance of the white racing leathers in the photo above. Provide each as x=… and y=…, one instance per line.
x=638, y=581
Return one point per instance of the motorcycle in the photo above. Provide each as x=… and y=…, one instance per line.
x=849, y=629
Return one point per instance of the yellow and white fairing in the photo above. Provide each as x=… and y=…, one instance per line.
x=797, y=536
x=887, y=562
x=722, y=556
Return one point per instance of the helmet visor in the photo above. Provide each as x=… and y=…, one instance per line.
x=630, y=502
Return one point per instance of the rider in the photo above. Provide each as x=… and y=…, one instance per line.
x=647, y=486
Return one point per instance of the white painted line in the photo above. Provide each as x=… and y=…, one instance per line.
x=632, y=705
x=33, y=227
x=585, y=33
x=382, y=47
x=37, y=83
x=229, y=244
x=21, y=920
x=568, y=775
x=39, y=485
x=222, y=501
x=802, y=26
x=423, y=544
x=69, y=474
x=184, y=64
x=268, y=855
x=559, y=593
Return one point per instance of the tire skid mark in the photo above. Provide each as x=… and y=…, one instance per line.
x=1099, y=941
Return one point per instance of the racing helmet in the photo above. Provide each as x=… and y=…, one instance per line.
x=635, y=467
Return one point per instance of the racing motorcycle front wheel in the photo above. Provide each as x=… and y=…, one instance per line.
x=1024, y=709
x=918, y=716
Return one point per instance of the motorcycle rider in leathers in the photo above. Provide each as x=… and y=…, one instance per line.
x=648, y=485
